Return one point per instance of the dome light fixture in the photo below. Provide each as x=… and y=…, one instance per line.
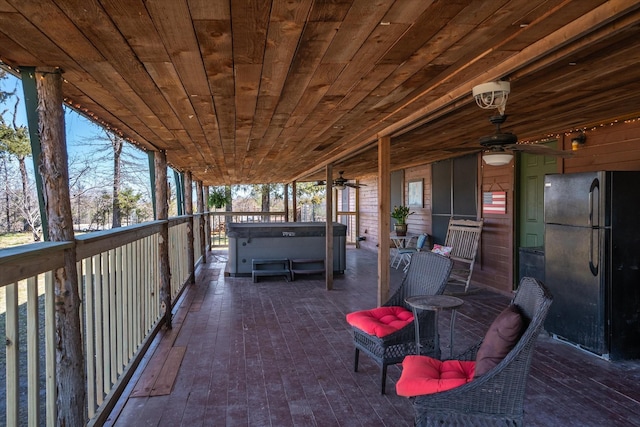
x=497, y=158
x=492, y=95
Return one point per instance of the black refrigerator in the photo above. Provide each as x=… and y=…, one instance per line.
x=592, y=260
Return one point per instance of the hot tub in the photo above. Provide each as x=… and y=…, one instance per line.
x=292, y=240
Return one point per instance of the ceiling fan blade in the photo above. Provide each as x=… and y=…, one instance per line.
x=538, y=149
x=353, y=185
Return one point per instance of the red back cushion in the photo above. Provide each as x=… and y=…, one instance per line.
x=381, y=321
x=502, y=336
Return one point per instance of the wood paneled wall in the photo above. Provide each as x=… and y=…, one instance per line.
x=420, y=221
x=494, y=265
x=369, y=213
x=608, y=147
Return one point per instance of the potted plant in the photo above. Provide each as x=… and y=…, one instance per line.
x=400, y=214
x=218, y=198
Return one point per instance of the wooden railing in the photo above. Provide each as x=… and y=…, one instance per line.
x=118, y=276
x=349, y=219
x=219, y=221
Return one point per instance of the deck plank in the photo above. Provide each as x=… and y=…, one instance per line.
x=169, y=372
x=280, y=354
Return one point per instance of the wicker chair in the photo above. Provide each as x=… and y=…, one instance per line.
x=497, y=397
x=427, y=275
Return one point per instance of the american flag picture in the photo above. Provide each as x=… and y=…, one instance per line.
x=494, y=202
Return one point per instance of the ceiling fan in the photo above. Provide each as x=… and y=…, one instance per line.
x=498, y=146
x=341, y=182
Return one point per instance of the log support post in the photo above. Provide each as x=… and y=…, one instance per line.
x=207, y=220
x=188, y=205
x=53, y=168
x=286, y=202
x=162, y=214
x=329, y=229
x=294, y=200
x=384, y=216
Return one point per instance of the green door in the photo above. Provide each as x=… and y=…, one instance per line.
x=531, y=203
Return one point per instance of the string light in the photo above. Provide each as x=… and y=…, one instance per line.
x=95, y=118
x=556, y=136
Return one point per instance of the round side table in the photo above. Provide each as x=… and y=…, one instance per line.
x=434, y=303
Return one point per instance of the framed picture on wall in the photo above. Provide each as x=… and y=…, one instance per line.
x=415, y=193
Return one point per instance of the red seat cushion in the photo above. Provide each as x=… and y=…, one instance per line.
x=426, y=375
x=380, y=321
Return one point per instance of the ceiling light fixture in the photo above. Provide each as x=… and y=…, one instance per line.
x=497, y=158
x=492, y=95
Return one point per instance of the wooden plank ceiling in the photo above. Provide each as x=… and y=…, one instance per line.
x=271, y=91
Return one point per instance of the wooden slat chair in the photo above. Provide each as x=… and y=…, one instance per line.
x=463, y=237
x=469, y=394
x=387, y=333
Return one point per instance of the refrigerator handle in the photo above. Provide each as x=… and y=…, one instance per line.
x=594, y=185
x=593, y=267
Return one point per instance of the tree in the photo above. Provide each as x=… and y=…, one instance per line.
x=262, y=195
x=90, y=172
x=127, y=202
x=14, y=141
x=309, y=193
x=4, y=95
x=117, y=144
x=103, y=207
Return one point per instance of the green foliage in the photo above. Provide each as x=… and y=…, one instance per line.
x=310, y=193
x=4, y=95
x=14, y=141
x=218, y=197
x=400, y=214
x=128, y=201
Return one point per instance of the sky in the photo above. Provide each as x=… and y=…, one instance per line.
x=79, y=130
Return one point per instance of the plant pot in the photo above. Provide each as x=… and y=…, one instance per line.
x=401, y=229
